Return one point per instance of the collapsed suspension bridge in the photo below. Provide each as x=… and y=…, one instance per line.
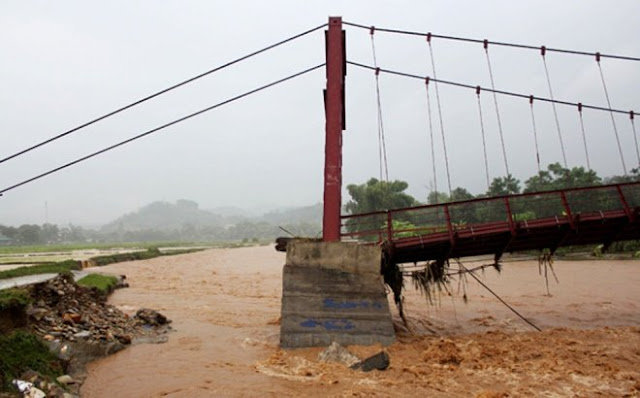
x=585, y=215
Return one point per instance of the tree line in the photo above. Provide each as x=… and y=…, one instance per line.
x=47, y=234
x=375, y=195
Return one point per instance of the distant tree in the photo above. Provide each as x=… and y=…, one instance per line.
x=457, y=195
x=436, y=197
x=29, y=234
x=50, y=233
x=633, y=176
x=558, y=177
x=504, y=186
x=378, y=195
x=72, y=233
x=9, y=232
x=460, y=194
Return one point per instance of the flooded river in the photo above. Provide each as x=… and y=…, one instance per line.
x=225, y=307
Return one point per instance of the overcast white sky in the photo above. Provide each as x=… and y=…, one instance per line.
x=64, y=63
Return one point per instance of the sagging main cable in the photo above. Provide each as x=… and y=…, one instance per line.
x=166, y=90
x=496, y=43
x=154, y=130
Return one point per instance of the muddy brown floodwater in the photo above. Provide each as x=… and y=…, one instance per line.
x=225, y=307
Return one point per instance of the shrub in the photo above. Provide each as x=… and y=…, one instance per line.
x=14, y=298
x=21, y=351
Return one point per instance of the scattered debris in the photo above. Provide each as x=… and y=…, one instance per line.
x=151, y=317
x=34, y=385
x=337, y=353
x=281, y=244
x=379, y=361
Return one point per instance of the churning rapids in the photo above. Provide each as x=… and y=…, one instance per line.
x=225, y=307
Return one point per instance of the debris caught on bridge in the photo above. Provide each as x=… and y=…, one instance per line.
x=545, y=259
x=433, y=278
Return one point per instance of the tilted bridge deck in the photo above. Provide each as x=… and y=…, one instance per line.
x=530, y=221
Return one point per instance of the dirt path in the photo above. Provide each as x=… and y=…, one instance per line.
x=225, y=307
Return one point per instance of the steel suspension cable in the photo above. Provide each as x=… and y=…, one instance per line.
x=613, y=120
x=498, y=297
x=163, y=91
x=635, y=135
x=584, y=135
x=535, y=132
x=473, y=87
x=543, y=50
x=382, y=147
x=495, y=43
x=495, y=101
x=433, y=150
x=444, y=142
x=154, y=130
x=484, y=142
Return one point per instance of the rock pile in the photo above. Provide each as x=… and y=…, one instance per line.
x=80, y=326
x=33, y=384
x=65, y=312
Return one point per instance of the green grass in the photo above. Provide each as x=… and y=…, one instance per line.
x=69, y=265
x=66, y=249
x=152, y=252
x=88, y=246
x=14, y=298
x=104, y=283
x=21, y=351
x=53, y=268
x=180, y=251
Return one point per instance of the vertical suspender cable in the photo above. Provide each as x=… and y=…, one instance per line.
x=382, y=148
x=613, y=121
x=635, y=135
x=484, y=142
x=535, y=132
x=584, y=135
x=444, y=142
x=433, y=150
x=543, y=51
x=495, y=101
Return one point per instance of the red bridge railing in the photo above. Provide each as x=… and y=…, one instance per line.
x=486, y=216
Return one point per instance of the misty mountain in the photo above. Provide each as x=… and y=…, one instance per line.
x=165, y=216
x=307, y=214
x=232, y=211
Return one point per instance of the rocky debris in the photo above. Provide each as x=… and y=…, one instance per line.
x=337, y=353
x=33, y=384
x=65, y=380
x=379, y=361
x=151, y=317
x=80, y=326
x=281, y=243
x=122, y=283
x=63, y=311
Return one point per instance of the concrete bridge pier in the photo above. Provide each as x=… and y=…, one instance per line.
x=333, y=291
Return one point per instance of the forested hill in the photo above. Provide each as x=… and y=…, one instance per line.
x=184, y=220
x=165, y=216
